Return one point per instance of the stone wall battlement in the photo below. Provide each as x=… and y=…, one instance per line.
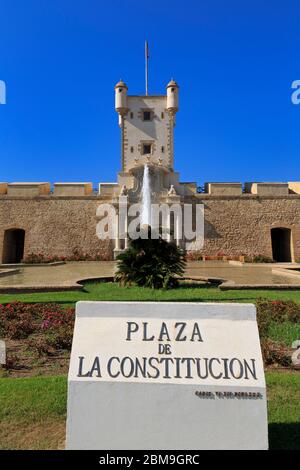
x=69, y=189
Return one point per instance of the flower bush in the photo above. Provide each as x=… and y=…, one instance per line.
x=58, y=326
x=20, y=320
x=104, y=254
x=48, y=328
x=16, y=321
x=38, y=258
x=276, y=310
x=275, y=352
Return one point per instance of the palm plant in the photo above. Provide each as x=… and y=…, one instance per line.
x=153, y=263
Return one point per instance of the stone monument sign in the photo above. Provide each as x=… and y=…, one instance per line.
x=147, y=375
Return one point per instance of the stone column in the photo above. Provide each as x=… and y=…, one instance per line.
x=123, y=217
x=177, y=231
x=126, y=241
x=117, y=242
x=169, y=226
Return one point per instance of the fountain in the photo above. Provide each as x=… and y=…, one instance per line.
x=146, y=199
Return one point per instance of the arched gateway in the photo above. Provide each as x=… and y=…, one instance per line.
x=13, y=245
x=281, y=244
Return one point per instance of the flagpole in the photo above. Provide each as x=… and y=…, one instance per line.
x=146, y=65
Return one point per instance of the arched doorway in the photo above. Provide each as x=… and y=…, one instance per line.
x=13, y=245
x=281, y=244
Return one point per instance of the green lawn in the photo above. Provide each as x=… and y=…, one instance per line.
x=33, y=412
x=287, y=332
x=284, y=410
x=111, y=291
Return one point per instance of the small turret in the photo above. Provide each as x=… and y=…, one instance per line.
x=172, y=97
x=121, y=97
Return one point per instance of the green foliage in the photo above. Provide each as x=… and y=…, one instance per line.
x=153, y=263
x=33, y=398
x=287, y=332
x=95, y=290
x=270, y=314
x=283, y=392
x=58, y=326
x=277, y=311
x=258, y=259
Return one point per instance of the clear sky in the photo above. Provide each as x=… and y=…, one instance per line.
x=234, y=61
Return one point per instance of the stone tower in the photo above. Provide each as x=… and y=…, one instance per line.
x=147, y=127
x=147, y=137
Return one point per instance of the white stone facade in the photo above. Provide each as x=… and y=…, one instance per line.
x=156, y=133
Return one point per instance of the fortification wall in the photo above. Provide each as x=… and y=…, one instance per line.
x=54, y=226
x=234, y=225
x=242, y=225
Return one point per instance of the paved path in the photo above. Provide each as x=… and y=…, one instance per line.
x=69, y=275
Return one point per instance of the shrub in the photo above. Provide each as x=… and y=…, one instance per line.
x=15, y=321
x=193, y=256
x=220, y=256
x=40, y=346
x=60, y=338
x=258, y=259
x=277, y=311
x=12, y=362
x=38, y=258
x=58, y=326
x=104, y=254
x=275, y=352
x=19, y=320
x=151, y=263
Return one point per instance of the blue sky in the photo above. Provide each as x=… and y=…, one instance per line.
x=234, y=61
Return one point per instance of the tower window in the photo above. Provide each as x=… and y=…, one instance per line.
x=147, y=115
x=131, y=115
x=162, y=115
x=172, y=90
x=131, y=149
x=120, y=90
x=163, y=149
x=146, y=149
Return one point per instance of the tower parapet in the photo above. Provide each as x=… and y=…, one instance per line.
x=121, y=98
x=172, y=97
